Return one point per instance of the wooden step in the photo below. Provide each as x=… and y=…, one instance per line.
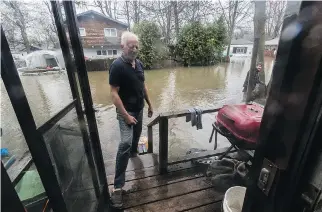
x=213, y=207
x=149, y=172
x=165, y=192
x=191, y=200
x=160, y=180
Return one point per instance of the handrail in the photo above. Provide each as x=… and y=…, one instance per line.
x=176, y=114
x=162, y=120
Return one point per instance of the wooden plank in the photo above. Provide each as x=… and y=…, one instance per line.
x=213, y=207
x=165, y=192
x=154, y=122
x=163, y=145
x=161, y=180
x=150, y=139
x=149, y=172
x=140, y=162
x=181, y=113
x=181, y=203
x=176, y=114
x=200, y=155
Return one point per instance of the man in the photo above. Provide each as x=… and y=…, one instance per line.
x=128, y=91
x=256, y=86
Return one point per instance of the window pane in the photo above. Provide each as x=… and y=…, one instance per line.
x=99, y=52
x=113, y=32
x=114, y=52
x=29, y=188
x=82, y=32
x=104, y=52
x=66, y=149
x=107, y=32
x=110, y=52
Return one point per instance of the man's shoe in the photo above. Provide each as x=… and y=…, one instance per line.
x=117, y=198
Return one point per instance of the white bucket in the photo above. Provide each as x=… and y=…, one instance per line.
x=234, y=199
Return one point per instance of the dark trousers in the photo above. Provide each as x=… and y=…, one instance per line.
x=130, y=136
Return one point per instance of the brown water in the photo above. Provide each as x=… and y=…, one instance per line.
x=169, y=89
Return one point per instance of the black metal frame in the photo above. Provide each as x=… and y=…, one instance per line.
x=9, y=198
x=33, y=135
x=34, y=139
x=72, y=26
x=287, y=128
x=73, y=86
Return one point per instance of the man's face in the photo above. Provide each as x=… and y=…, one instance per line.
x=130, y=49
x=259, y=67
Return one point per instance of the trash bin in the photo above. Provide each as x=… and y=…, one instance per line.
x=234, y=199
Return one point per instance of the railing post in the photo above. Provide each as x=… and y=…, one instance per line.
x=163, y=145
x=150, y=139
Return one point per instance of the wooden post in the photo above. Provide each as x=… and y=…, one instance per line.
x=150, y=140
x=163, y=145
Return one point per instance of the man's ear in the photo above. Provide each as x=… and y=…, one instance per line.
x=122, y=46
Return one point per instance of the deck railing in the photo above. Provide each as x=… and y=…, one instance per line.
x=162, y=120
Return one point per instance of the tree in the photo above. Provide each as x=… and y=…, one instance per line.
x=16, y=16
x=30, y=23
x=274, y=11
x=151, y=48
x=258, y=47
x=200, y=44
x=234, y=12
x=259, y=32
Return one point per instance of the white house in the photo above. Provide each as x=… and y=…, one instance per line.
x=272, y=44
x=240, y=48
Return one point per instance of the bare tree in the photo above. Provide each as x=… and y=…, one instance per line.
x=176, y=17
x=234, y=12
x=259, y=32
x=15, y=14
x=275, y=11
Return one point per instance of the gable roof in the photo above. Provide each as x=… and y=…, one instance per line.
x=241, y=42
x=92, y=12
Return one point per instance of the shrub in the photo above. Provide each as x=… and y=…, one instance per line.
x=152, y=50
x=200, y=44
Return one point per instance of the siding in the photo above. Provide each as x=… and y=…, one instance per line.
x=94, y=28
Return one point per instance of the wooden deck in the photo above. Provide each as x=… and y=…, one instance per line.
x=183, y=188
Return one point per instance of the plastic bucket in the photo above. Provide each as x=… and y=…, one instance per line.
x=234, y=199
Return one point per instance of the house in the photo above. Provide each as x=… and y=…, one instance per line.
x=240, y=48
x=272, y=44
x=101, y=35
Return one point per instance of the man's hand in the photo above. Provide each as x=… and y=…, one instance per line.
x=130, y=120
x=150, y=111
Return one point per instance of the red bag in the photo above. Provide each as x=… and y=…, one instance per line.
x=242, y=121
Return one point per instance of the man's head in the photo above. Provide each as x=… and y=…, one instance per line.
x=130, y=45
x=259, y=67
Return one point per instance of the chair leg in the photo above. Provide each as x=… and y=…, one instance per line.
x=212, y=134
x=226, y=152
x=216, y=142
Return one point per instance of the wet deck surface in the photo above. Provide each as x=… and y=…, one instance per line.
x=183, y=188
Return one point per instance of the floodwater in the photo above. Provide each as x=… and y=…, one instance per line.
x=169, y=90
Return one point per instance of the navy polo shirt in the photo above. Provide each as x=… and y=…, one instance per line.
x=130, y=81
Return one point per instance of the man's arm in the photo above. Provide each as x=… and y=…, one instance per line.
x=146, y=96
x=119, y=105
x=147, y=99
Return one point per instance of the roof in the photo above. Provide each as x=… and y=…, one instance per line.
x=273, y=42
x=92, y=12
x=241, y=42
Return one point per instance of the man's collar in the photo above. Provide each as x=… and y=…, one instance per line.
x=126, y=60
